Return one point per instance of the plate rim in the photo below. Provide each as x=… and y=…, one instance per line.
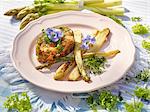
x=40, y=20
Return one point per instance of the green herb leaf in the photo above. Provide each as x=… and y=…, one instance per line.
x=47, y=40
x=59, y=46
x=117, y=20
x=142, y=93
x=20, y=103
x=146, y=45
x=92, y=103
x=140, y=29
x=94, y=64
x=134, y=107
x=107, y=100
x=144, y=75
x=135, y=19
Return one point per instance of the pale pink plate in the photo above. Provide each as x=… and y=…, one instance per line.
x=23, y=52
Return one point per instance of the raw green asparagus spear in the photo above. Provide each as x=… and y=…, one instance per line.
x=13, y=12
x=107, y=11
x=26, y=11
x=110, y=3
x=28, y=18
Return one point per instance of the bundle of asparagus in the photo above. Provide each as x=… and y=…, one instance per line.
x=43, y=7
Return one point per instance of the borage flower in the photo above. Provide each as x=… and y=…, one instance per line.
x=54, y=34
x=87, y=41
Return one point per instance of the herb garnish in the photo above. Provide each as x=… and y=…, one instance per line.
x=135, y=19
x=20, y=103
x=47, y=40
x=87, y=41
x=92, y=103
x=134, y=107
x=140, y=29
x=59, y=46
x=146, y=45
x=143, y=93
x=105, y=99
x=94, y=64
x=144, y=75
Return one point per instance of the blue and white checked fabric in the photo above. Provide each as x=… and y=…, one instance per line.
x=12, y=82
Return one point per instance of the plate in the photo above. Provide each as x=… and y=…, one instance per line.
x=24, y=59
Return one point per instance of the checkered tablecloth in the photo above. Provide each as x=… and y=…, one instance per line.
x=12, y=82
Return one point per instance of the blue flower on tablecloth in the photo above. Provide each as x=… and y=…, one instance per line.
x=87, y=41
x=54, y=34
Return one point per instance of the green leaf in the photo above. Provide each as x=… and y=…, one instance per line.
x=134, y=107
x=146, y=45
x=94, y=64
x=107, y=100
x=20, y=103
x=144, y=75
x=142, y=93
x=92, y=103
x=47, y=40
x=140, y=29
x=135, y=19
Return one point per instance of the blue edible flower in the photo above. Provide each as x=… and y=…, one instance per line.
x=86, y=41
x=54, y=34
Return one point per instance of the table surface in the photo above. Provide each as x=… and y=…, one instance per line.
x=11, y=82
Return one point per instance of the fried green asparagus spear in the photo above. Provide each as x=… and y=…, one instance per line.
x=47, y=65
x=78, y=56
x=71, y=58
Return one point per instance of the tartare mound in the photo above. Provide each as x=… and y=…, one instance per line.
x=48, y=52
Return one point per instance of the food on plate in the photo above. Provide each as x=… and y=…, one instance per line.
x=79, y=53
x=74, y=75
x=101, y=37
x=78, y=57
x=63, y=70
x=54, y=43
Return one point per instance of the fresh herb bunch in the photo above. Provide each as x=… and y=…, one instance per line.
x=134, y=107
x=146, y=45
x=117, y=20
x=144, y=75
x=140, y=29
x=20, y=103
x=94, y=64
x=92, y=103
x=107, y=100
x=143, y=93
x=135, y=19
